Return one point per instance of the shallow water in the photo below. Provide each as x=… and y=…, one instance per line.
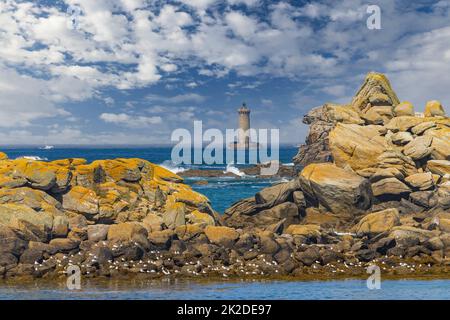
x=241, y=290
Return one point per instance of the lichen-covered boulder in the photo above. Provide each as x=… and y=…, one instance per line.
x=404, y=109
x=434, y=108
x=222, y=236
x=440, y=167
x=377, y=222
x=419, y=148
x=340, y=191
x=421, y=181
x=356, y=146
x=82, y=200
x=389, y=186
x=128, y=232
x=306, y=230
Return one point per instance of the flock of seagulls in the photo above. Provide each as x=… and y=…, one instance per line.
x=155, y=264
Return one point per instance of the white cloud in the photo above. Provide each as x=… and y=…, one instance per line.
x=129, y=120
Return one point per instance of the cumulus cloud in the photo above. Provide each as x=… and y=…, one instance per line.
x=51, y=60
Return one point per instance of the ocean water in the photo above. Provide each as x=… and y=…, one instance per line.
x=241, y=290
x=221, y=191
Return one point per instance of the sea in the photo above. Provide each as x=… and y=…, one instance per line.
x=222, y=192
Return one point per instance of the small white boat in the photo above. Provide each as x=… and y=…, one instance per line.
x=47, y=147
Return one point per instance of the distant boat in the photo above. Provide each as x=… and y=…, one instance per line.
x=47, y=147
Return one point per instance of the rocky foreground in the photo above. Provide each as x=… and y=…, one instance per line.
x=375, y=189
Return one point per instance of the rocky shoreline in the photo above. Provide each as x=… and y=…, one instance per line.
x=375, y=189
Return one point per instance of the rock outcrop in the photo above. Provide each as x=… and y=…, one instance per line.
x=380, y=194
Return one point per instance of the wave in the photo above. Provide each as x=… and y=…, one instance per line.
x=234, y=170
x=169, y=165
x=34, y=158
x=290, y=164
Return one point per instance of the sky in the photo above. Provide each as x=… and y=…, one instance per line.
x=132, y=71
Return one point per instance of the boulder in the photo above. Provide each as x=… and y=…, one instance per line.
x=175, y=215
x=223, y=236
x=39, y=175
x=307, y=230
x=408, y=235
x=375, y=91
x=97, y=232
x=340, y=191
x=356, y=146
x=161, y=239
x=287, y=211
x=389, y=186
x=377, y=222
x=422, y=127
x=64, y=244
x=404, y=109
x=443, y=195
x=440, y=143
x=423, y=198
x=419, y=148
x=202, y=218
x=420, y=181
x=128, y=232
x=278, y=193
x=309, y=256
x=188, y=231
x=35, y=199
x=60, y=227
x=10, y=241
x=396, y=159
x=434, y=108
x=153, y=222
x=32, y=223
x=384, y=173
x=440, y=167
x=401, y=138
x=82, y=200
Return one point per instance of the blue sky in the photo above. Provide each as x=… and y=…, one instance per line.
x=131, y=71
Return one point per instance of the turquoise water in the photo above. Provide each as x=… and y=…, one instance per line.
x=259, y=290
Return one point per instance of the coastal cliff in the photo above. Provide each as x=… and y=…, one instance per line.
x=375, y=189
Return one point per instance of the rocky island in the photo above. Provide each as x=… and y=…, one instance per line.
x=374, y=189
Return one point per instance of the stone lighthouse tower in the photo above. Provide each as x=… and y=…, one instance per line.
x=244, y=125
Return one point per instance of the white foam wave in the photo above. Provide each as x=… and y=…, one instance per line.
x=290, y=164
x=34, y=158
x=232, y=169
x=169, y=165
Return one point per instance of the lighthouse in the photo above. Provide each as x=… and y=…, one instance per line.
x=244, y=125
